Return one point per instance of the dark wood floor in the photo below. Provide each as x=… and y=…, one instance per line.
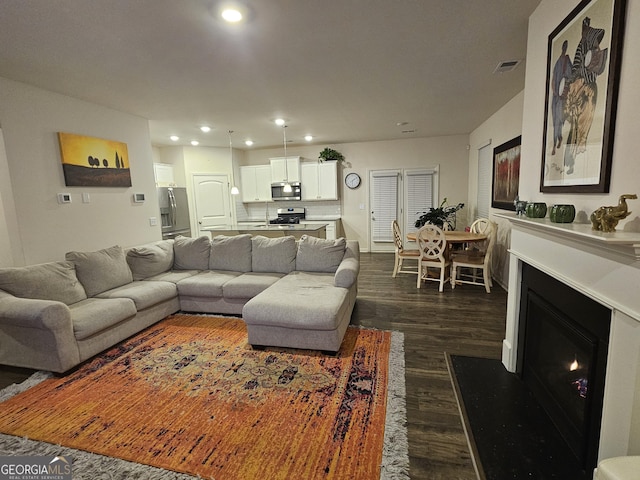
x=465, y=321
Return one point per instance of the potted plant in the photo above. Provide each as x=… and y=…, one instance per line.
x=329, y=154
x=440, y=215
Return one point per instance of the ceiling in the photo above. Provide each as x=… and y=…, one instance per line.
x=343, y=71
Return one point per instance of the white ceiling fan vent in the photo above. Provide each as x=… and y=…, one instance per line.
x=506, y=66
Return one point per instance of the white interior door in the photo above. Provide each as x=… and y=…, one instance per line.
x=420, y=191
x=211, y=201
x=401, y=195
x=385, y=201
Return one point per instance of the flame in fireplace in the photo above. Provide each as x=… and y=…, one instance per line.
x=574, y=365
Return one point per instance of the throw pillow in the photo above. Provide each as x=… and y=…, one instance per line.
x=276, y=255
x=319, y=254
x=102, y=270
x=152, y=259
x=48, y=281
x=191, y=253
x=231, y=253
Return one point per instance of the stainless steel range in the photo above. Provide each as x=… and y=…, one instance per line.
x=289, y=216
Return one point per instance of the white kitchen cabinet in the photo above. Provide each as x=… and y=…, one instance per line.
x=164, y=175
x=281, y=174
x=255, y=181
x=319, y=181
x=331, y=230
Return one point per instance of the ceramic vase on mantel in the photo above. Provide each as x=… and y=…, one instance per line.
x=536, y=210
x=562, y=213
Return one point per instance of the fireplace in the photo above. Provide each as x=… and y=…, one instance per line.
x=562, y=355
x=605, y=268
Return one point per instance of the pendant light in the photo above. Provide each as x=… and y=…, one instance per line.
x=234, y=189
x=287, y=186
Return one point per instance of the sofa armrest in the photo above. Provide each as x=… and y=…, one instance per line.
x=37, y=334
x=348, y=270
x=32, y=313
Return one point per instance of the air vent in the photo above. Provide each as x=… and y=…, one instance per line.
x=506, y=66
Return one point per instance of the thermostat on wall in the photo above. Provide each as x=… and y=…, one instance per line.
x=138, y=197
x=64, y=198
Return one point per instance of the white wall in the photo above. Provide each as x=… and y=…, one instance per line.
x=501, y=127
x=204, y=160
x=188, y=161
x=524, y=114
x=625, y=175
x=9, y=256
x=44, y=230
x=173, y=156
x=450, y=152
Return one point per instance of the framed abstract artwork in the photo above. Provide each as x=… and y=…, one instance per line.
x=583, y=66
x=94, y=162
x=506, y=174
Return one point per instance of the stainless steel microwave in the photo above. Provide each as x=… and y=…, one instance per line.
x=278, y=193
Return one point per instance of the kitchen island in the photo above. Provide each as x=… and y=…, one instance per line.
x=272, y=230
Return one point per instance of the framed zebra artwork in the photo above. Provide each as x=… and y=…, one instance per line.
x=583, y=69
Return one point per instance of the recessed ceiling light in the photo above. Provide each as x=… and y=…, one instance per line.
x=205, y=129
x=279, y=121
x=195, y=143
x=174, y=138
x=402, y=124
x=231, y=15
x=308, y=138
x=248, y=143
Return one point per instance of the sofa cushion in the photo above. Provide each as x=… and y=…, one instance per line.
x=152, y=259
x=47, y=281
x=174, y=276
x=102, y=270
x=191, y=253
x=347, y=273
x=273, y=255
x=319, y=254
x=205, y=284
x=300, y=300
x=231, y=253
x=144, y=294
x=94, y=315
x=248, y=285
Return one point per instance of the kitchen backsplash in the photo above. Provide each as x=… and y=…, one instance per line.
x=250, y=212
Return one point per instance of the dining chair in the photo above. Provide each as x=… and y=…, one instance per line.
x=402, y=253
x=481, y=225
x=432, y=244
x=475, y=261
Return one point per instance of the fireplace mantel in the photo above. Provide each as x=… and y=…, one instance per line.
x=606, y=268
x=621, y=242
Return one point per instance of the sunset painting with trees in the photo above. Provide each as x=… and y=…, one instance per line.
x=94, y=162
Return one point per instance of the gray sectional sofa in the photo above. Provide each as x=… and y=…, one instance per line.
x=56, y=315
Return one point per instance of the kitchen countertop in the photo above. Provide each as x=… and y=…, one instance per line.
x=297, y=227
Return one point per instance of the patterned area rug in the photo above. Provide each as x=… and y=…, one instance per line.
x=189, y=395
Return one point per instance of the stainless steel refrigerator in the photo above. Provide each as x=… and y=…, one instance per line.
x=174, y=212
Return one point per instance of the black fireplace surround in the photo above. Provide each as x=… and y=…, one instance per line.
x=562, y=357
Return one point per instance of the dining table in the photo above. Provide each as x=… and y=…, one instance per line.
x=455, y=236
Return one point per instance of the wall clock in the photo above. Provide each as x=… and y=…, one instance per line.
x=352, y=180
